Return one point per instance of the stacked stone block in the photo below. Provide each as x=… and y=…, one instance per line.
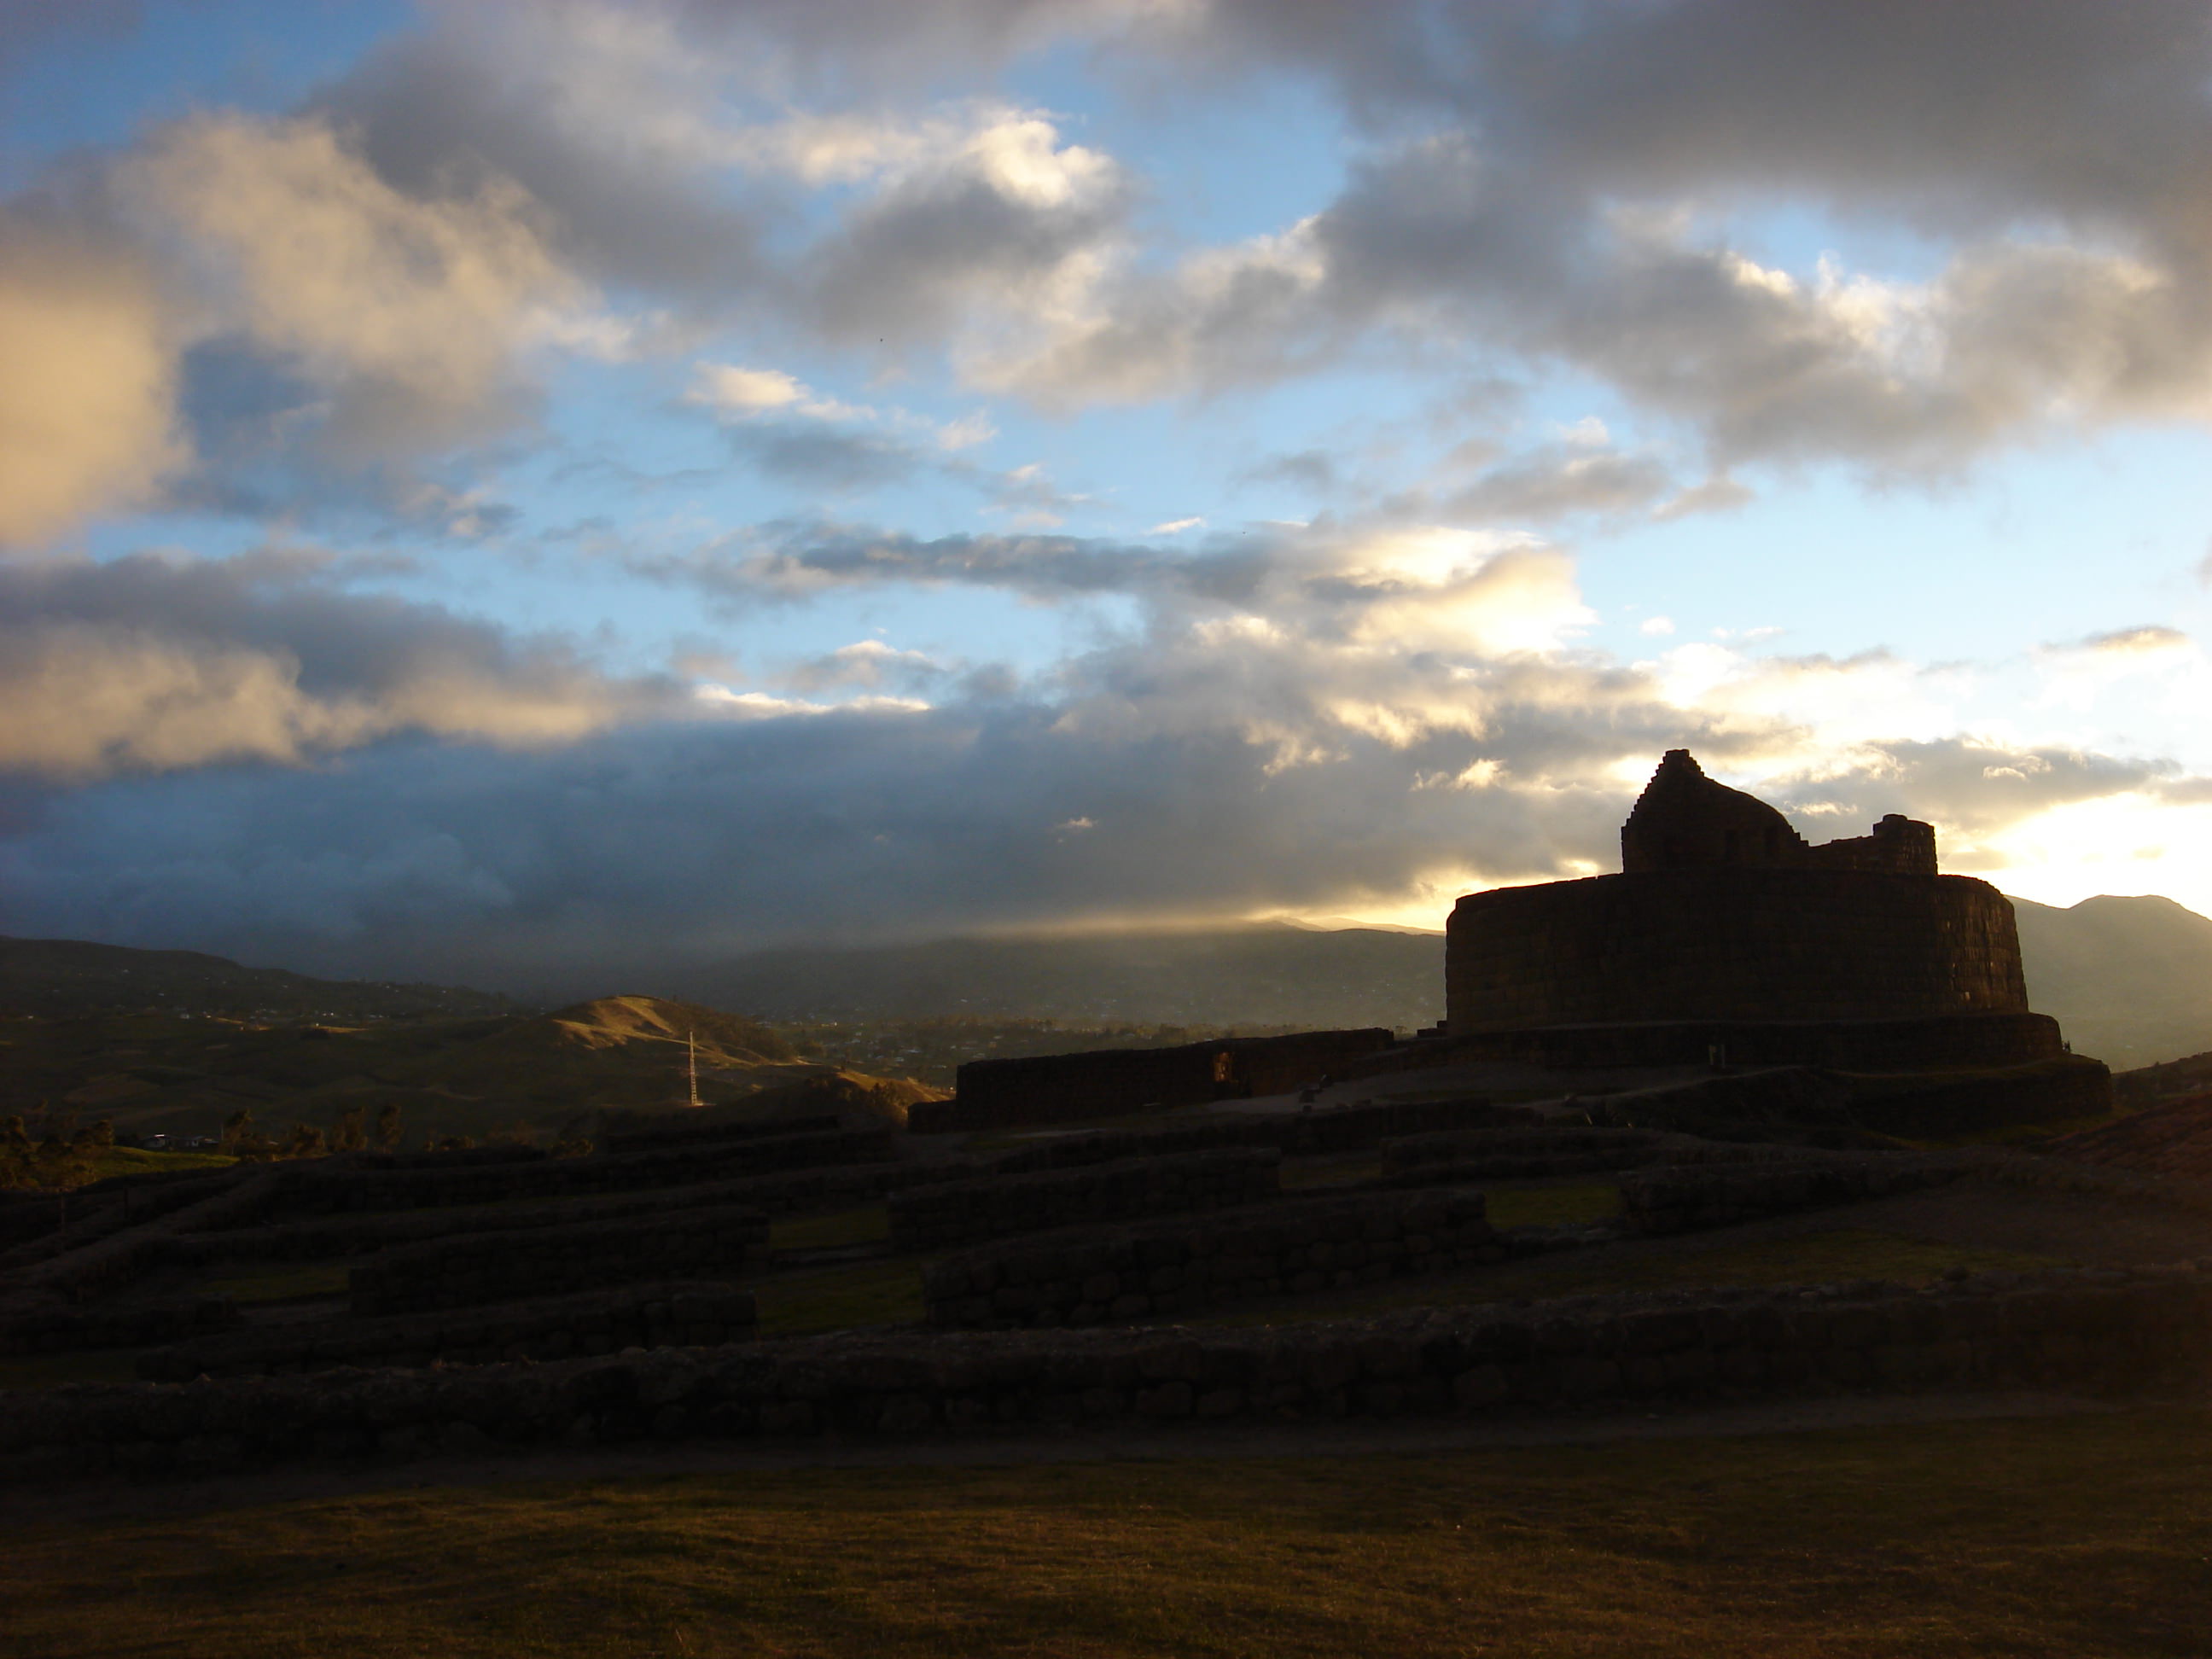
x=671, y=1130
x=1314, y=1131
x=2104, y=1330
x=1731, y=944
x=473, y=1268
x=795, y=1191
x=333, y=1187
x=1044, y=1089
x=1165, y=1268
x=1678, y=1199
x=53, y=1328
x=546, y=1328
x=1455, y=1155
x=935, y=1218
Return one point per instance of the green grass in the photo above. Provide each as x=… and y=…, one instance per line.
x=884, y=1291
x=2067, y=1536
x=1813, y=1259
x=1303, y=1175
x=50, y=1370
x=131, y=1160
x=1553, y=1206
x=870, y=1225
x=279, y=1281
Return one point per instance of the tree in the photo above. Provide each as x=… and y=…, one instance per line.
x=306, y=1141
x=387, y=1126
x=351, y=1133
x=238, y=1132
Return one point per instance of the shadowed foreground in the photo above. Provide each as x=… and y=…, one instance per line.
x=2071, y=1534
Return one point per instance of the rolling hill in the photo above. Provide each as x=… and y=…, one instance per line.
x=64, y=978
x=2130, y=978
x=149, y=1073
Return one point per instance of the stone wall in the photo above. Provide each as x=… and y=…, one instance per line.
x=1759, y=943
x=70, y=1221
x=670, y=1129
x=1044, y=1089
x=468, y=1269
x=55, y=1327
x=1162, y=1269
x=795, y=1191
x=543, y=1329
x=1315, y=1131
x=2099, y=1331
x=332, y=1187
x=1855, y=1045
x=105, y=1265
x=957, y=1212
x=1674, y=1199
x=1523, y=1154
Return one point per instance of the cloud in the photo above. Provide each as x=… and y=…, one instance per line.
x=811, y=457
x=409, y=313
x=1006, y=227
x=1563, y=479
x=1563, y=191
x=769, y=415
x=146, y=664
x=87, y=404
x=2151, y=640
x=1321, y=718
x=1212, y=768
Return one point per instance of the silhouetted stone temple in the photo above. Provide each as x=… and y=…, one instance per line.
x=1853, y=952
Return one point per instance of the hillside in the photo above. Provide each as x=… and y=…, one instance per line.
x=157, y=1073
x=2130, y=979
x=65, y=979
x=1267, y=973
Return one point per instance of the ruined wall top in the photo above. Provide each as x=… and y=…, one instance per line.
x=1685, y=821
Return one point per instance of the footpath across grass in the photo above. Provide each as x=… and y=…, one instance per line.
x=2036, y=1536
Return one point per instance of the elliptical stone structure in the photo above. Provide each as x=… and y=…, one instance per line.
x=1726, y=928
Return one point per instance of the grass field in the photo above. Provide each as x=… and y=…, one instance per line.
x=2065, y=1535
x=886, y=1291
x=1553, y=1206
x=49, y=1370
x=1812, y=1259
x=132, y=1160
x=870, y=1223
x=277, y=1282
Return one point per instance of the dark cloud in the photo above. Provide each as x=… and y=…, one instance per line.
x=678, y=841
x=1560, y=480
x=811, y=455
x=1976, y=787
x=28, y=26
x=145, y=663
x=626, y=210
x=795, y=559
x=1545, y=181
x=1220, y=779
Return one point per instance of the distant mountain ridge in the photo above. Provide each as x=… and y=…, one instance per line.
x=1261, y=974
x=64, y=978
x=2130, y=980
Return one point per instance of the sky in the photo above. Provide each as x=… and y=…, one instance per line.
x=489, y=490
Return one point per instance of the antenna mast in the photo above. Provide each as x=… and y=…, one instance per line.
x=691, y=1058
